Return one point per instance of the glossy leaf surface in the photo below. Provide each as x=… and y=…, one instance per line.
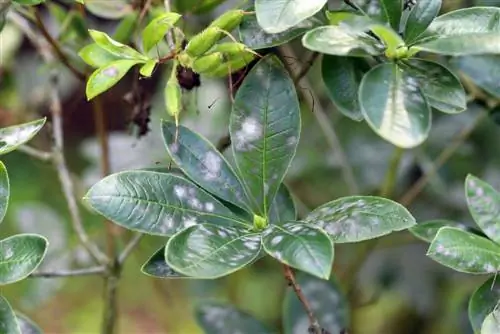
x=157, y=29
x=116, y=48
x=358, y=218
x=483, y=301
x=14, y=136
x=107, y=76
x=96, y=56
x=426, y=231
x=420, y=18
x=156, y=267
x=283, y=208
x=4, y=191
x=483, y=70
x=392, y=10
x=8, y=320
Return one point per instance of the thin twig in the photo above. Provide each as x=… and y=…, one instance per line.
x=443, y=157
x=129, y=248
x=70, y=273
x=315, y=327
x=35, y=153
x=322, y=119
x=306, y=67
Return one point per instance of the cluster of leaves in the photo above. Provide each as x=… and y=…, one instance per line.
x=471, y=250
x=219, y=218
x=20, y=254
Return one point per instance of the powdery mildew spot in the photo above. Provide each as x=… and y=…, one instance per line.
x=179, y=191
x=276, y=240
x=110, y=72
x=212, y=164
x=174, y=148
x=209, y=207
x=250, y=131
x=189, y=221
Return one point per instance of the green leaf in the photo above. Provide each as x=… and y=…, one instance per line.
x=326, y=300
x=483, y=301
x=395, y=45
x=427, y=231
x=112, y=10
x=491, y=324
x=29, y=2
x=216, y=318
x=26, y=325
x=20, y=255
x=468, y=31
x=147, y=69
x=358, y=218
x=125, y=31
x=482, y=70
x=211, y=251
x=275, y=16
x=484, y=205
x=156, y=203
x=156, y=267
x=342, y=41
x=254, y=37
x=421, y=15
x=283, y=208
x=265, y=130
x=96, y=56
x=342, y=77
x=392, y=10
x=107, y=76
x=201, y=161
x=116, y=48
x=4, y=191
x=300, y=246
x=394, y=106
x=441, y=87
x=14, y=136
x=465, y=252
x=157, y=29
x=8, y=320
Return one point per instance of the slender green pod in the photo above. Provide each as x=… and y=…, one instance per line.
x=208, y=62
x=229, y=20
x=173, y=95
x=230, y=66
x=202, y=42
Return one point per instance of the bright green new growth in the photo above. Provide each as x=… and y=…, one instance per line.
x=259, y=222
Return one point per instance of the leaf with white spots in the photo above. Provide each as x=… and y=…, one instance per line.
x=8, y=320
x=107, y=76
x=275, y=16
x=484, y=205
x=394, y=106
x=283, y=208
x=4, y=191
x=265, y=130
x=26, y=325
x=427, y=231
x=156, y=267
x=14, y=136
x=156, y=203
x=465, y=252
x=358, y=218
x=303, y=247
x=20, y=255
x=483, y=301
x=491, y=324
x=210, y=251
x=203, y=164
x=216, y=318
x=326, y=300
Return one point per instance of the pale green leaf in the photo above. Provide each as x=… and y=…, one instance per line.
x=483, y=301
x=275, y=16
x=4, y=191
x=147, y=69
x=358, y=218
x=465, y=252
x=426, y=231
x=265, y=130
x=211, y=251
x=96, y=56
x=116, y=48
x=157, y=29
x=303, y=247
x=491, y=324
x=29, y=2
x=394, y=106
x=14, y=136
x=8, y=320
x=107, y=76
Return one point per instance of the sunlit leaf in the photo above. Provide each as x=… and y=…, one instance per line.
x=342, y=77
x=8, y=320
x=253, y=36
x=211, y=251
x=358, y=218
x=483, y=70
x=427, y=231
x=156, y=266
x=465, y=252
x=394, y=106
x=327, y=302
x=4, y=191
x=14, y=136
x=156, y=203
x=392, y=40
x=275, y=16
x=484, y=205
x=20, y=255
x=201, y=161
x=115, y=9
x=29, y=2
x=157, y=29
x=116, y=48
x=483, y=301
x=441, y=87
x=217, y=318
x=342, y=41
x=26, y=325
x=300, y=246
x=147, y=69
x=96, y=56
x=421, y=15
x=283, y=208
x=265, y=129
x=107, y=76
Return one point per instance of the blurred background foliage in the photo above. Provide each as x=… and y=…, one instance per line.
x=397, y=289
